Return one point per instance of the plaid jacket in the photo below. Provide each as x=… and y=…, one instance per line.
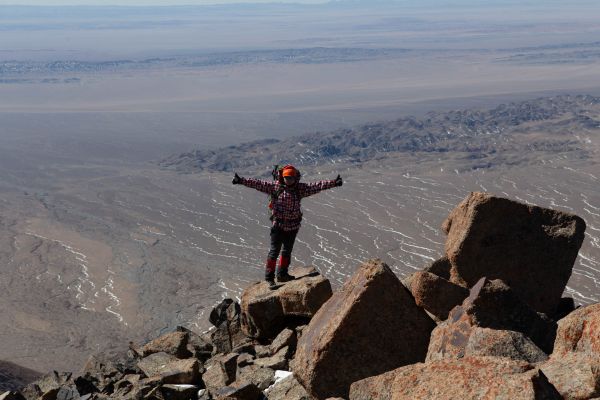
x=286, y=208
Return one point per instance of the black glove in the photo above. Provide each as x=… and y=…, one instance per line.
x=338, y=181
x=236, y=179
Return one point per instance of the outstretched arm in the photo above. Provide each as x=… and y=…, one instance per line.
x=308, y=189
x=258, y=184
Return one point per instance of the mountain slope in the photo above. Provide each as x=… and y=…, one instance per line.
x=507, y=134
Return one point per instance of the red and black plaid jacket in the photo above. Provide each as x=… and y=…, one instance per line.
x=286, y=208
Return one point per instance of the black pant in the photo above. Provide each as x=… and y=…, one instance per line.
x=279, y=239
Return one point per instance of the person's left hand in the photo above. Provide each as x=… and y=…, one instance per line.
x=338, y=181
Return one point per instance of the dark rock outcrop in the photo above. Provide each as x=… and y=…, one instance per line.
x=370, y=326
x=491, y=304
x=228, y=335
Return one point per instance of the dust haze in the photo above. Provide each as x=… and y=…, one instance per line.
x=100, y=245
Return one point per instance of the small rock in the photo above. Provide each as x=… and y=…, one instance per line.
x=181, y=372
x=260, y=376
x=287, y=388
x=262, y=351
x=224, y=311
x=245, y=348
x=179, y=392
x=220, y=371
x=171, y=369
x=200, y=347
x=174, y=343
x=299, y=330
x=85, y=385
x=68, y=393
x=244, y=359
x=203, y=394
x=277, y=361
x=286, y=338
x=243, y=391
x=440, y=267
x=153, y=364
x=436, y=294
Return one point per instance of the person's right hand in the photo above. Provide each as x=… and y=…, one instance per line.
x=236, y=179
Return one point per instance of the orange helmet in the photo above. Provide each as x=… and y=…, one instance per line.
x=289, y=170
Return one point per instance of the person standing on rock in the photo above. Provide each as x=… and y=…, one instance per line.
x=286, y=192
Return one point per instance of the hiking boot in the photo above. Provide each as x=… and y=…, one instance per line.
x=283, y=276
x=270, y=279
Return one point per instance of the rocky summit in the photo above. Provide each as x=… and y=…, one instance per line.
x=484, y=321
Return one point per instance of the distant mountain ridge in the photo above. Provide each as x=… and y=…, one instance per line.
x=507, y=134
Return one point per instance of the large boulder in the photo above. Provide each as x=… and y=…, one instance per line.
x=370, y=326
x=492, y=343
x=574, y=367
x=491, y=304
x=469, y=378
x=266, y=311
x=532, y=249
x=579, y=332
x=575, y=375
x=436, y=294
